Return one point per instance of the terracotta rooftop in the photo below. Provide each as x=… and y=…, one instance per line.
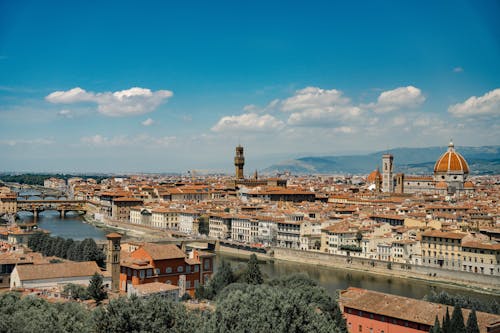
x=163, y=251
x=404, y=308
x=59, y=270
x=154, y=287
x=451, y=235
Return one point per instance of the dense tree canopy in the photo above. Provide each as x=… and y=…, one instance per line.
x=37, y=179
x=465, y=302
x=86, y=250
x=293, y=303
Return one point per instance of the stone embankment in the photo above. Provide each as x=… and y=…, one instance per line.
x=482, y=283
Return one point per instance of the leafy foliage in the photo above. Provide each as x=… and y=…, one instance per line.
x=76, y=291
x=262, y=308
x=436, y=328
x=31, y=314
x=293, y=303
x=223, y=277
x=37, y=179
x=252, y=274
x=472, y=326
x=96, y=288
x=351, y=247
x=85, y=250
x=457, y=321
x=465, y=302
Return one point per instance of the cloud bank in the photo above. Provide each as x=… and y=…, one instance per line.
x=130, y=102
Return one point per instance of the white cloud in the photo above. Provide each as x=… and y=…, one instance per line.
x=324, y=116
x=313, y=106
x=16, y=142
x=399, y=121
x=396, y=99
x=148, y=122
x=248, y=122
x=133, y=101
x=313, y=98
x=65, y=113
x=458, y=70
x=344, y=129
x=98, y=140
x=488, y=104
x=74, y=95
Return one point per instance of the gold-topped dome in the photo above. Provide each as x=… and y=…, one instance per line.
x=451, y=162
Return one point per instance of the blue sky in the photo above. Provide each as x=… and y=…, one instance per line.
x=172, y=86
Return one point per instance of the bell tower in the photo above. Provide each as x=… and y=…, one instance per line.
x=239, y=162
x=387, y=176
x=113, y=259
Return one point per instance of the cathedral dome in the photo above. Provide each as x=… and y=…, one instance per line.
x=451, y=162
x=373, y=176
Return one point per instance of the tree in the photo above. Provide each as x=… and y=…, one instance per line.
x=359, y=237
x=457, y=321
x=264, y=308
x=223, y=277
x=90, y=252
x=464, y=301
x=436, y=328
x=339, y=320
x=252, y=274
x=447, y=322
x=76, y=291
x=96, y=289
x=472, y=326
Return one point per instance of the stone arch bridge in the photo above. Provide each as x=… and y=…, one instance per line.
x=62, y=206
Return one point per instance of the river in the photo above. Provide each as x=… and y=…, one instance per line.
x=332, y=279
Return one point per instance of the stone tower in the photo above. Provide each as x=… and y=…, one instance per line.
x=113, y=259
x=387, y=177
x=239, y=162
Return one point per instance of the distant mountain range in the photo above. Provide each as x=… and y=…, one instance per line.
x=482, y=160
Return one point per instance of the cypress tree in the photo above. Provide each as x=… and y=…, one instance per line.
x=96, y=288
x=253, y=274
x=437, y=327
x=472, y=326
x=457, y=321
x=447, y=322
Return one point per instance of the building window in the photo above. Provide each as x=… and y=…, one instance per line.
x=188, y=284
x=157, y=271
x=168, y=282
x=149, y=272
x=188, y=269
x=196, y=268
x=141, y=274
x=360, y=328
x=168, y=270
x=180, y=269
x=207, y=264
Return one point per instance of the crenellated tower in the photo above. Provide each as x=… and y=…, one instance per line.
x=239, y=162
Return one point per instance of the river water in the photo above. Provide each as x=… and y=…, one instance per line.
x=332, y=279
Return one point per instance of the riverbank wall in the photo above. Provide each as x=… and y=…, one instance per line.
x=240, y=252
x=490, y=284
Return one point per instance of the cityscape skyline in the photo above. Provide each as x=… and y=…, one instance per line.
x=133, y=88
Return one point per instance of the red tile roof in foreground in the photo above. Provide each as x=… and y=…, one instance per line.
x=408, y=309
